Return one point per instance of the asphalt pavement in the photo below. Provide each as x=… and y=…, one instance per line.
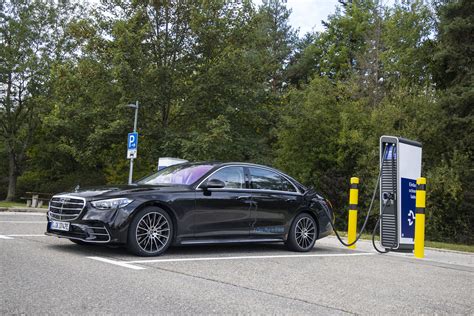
x=46, y=275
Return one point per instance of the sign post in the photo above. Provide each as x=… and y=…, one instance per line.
x=132, y=143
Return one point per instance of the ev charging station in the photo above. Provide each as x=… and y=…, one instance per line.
x=400, y=167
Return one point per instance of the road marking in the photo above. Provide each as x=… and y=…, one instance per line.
x=7, y=213
x=252, y=257
x=117, y=263
x=128, y=264
x=25, y=222
x=10, y=236
x=26, y=235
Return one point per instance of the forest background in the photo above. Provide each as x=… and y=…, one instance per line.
x=232, y=81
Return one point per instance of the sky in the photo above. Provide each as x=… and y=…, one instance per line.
x=307, y=15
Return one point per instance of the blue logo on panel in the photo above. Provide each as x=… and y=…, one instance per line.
x=132, y=142
x=408, y=207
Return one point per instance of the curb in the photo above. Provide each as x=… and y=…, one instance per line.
x=23, y=209
x=427, y=248
x=449, y=250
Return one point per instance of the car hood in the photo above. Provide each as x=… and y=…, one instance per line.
x=121, y=190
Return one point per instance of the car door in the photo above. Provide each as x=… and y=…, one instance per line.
x=275, y=200
x=223, y=212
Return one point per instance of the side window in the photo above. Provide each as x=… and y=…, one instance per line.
x=233, y=177
x=287, y=186
x=267, y=180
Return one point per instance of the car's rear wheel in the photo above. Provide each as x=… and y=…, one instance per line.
x=150, y=232
x=303, y=233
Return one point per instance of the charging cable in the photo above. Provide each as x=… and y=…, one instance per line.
x=368, y=212
x=377, y=225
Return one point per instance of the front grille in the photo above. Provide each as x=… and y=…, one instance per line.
x=65, y=208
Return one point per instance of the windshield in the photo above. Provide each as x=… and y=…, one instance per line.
x=183, y=174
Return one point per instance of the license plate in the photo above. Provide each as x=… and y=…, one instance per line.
x=64, y=226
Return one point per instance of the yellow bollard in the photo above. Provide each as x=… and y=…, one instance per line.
x=420, y=218
x=353, y=201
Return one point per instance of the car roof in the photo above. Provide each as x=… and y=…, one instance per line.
x=229, y=163
x=224, y=163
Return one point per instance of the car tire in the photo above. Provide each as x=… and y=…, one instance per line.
x=150, y=233
x=303, y=233
x=78, y=242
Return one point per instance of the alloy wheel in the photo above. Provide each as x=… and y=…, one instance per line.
x=305, y=232
x=153, y=232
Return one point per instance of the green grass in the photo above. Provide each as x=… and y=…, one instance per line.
x=431, y=244
x=17, y=204
x=449, y=246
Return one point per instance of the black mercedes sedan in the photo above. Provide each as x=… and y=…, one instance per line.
x=194, y=203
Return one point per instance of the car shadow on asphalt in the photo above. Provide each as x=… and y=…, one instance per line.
x=212, y=250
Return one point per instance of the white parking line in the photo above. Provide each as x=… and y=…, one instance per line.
x=10, y=236
x=117, y=263
x=25, y=222
x=129, y=264
x=22, y=213
x=251, y=257
x=26, y=235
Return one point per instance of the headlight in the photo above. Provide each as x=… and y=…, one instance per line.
x=111, y=203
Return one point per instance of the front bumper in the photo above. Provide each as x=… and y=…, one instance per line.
x=96, y=226
x=91, y=233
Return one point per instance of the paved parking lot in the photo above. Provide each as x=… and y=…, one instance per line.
x=46, y=275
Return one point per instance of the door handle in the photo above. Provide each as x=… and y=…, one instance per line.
x=289, y=200
x=243, y=197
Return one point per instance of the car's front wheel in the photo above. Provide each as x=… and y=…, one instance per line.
x=150, y=232
x=303, y=233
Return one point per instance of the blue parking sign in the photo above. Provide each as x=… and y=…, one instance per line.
x=132, y=142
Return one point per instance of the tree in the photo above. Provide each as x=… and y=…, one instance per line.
x=455, y=71
x=203, y=95
x=454, y=78
x=277, y=38
x=303, y=62
x=321, y=136
x=408, y=45
x=30, y=36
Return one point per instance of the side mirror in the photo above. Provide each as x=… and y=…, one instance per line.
x=213, y=184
